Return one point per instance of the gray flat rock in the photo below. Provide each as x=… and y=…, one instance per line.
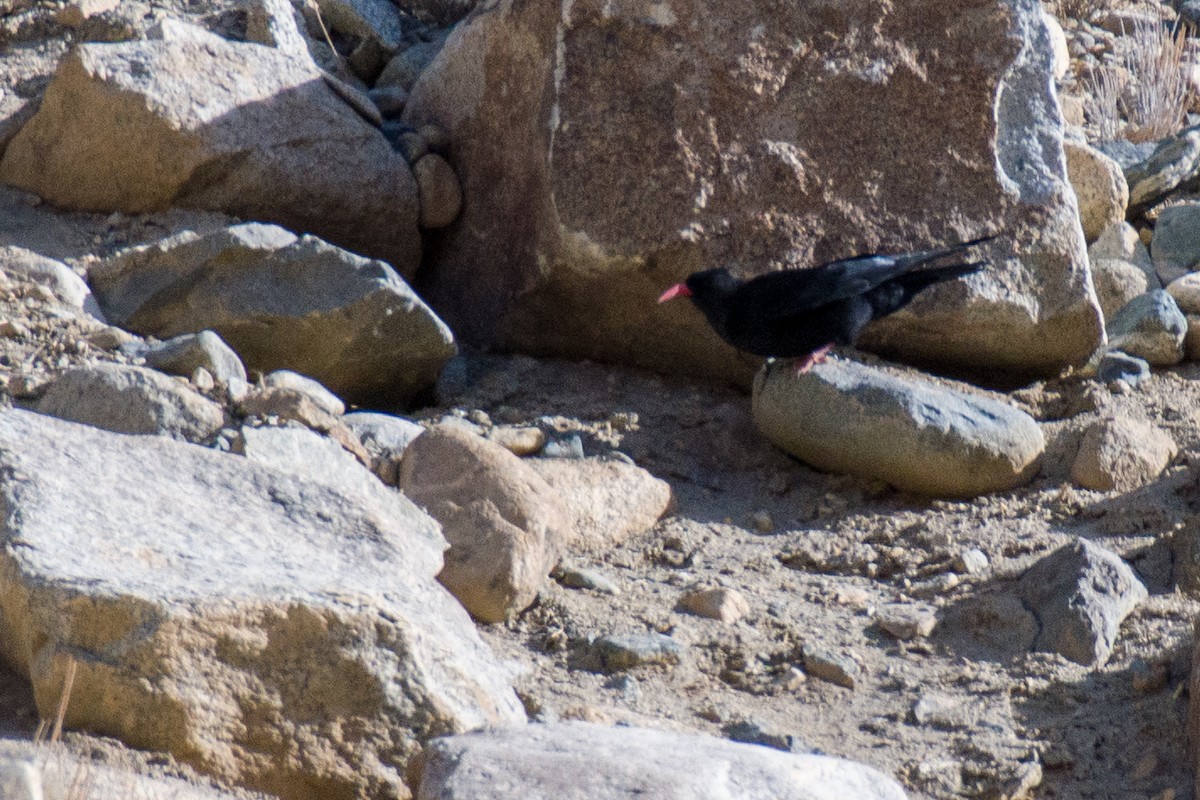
x=580, y=761
x=843, y=416
x=266, y=629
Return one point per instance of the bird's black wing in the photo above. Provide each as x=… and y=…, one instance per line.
x=778, y=295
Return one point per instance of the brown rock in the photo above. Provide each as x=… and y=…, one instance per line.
x=725, y=605
x=437, y=185
x=1122, y=454
x=505, y=525
x=225, y=126
x=607, y=500
x=1191, y=340
x=636, y=144
x=1099, y=186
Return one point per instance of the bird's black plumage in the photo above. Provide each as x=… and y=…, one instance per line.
x=796, y=313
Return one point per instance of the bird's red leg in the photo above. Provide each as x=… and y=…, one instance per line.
x=803, y=365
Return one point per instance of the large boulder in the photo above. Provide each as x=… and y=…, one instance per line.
x=607, y=151
x=209, y=124
x=282, y=302
x=276, y=632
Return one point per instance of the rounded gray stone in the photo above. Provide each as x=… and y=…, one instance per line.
x=1150, y=326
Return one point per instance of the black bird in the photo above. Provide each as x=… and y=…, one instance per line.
x=802, y=314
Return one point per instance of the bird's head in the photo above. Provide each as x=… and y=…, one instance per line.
x=702, y=285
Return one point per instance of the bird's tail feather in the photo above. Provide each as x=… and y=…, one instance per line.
x=916, y=281
x=920, y=258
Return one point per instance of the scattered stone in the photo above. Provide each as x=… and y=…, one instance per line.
x=1191, y=342
x=221, y=600
x=520, y=441
x=828, y=666
x=203, y=380
x=1117, y=366
x=971, y=562
x=1175, y=247
x=183, y=355
x=846, y=417
x=439, y=190
x=581, y=761
x=904, y=621
x=608, y=500
x=1151, y=327
x=1171, y=165
x=389, y=100
x=721, y=604
x=567, y=447
x=109, y=338
x=285, y=403
x=1149, y=678
x=506, y=526
x=1099, y=186
x=762, y=521
x=76, y=12
x=404, y=69
x=1186, y=292
x=277, y=24
x=619, y=653
x=282, y=302
x=1122, y=454
x=593, y=580
x=324, y=399
x=67, y=287
x=1118, y=281
x=379, y=20
x=1080, y=593
x=749, y=731
x=128, y=399
x=943, y=712
x=132, y=126
x=1120, y=241
x=385, y=438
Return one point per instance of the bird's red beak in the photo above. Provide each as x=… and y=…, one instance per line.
x=678, y=290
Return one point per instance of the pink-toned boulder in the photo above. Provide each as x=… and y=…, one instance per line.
x=505, y=525
x=200, y=122
x=608, y=150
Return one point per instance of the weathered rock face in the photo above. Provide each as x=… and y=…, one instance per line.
x=226, y=126
x=608, y=151
x=573, y=761
x=282, y=302
x=274, y=631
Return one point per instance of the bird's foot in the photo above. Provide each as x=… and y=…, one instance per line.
x=803, y=365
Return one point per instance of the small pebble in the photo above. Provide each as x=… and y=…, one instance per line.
x=203, y=380
x=762, y=521
x=907, y=621
x=566, y=447
x=617, y=653
x=833, y=667
x=573, y=578
x=724, y=605
x=521, y=441
x=971, y=562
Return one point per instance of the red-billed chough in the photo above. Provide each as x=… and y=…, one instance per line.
x=801, y=314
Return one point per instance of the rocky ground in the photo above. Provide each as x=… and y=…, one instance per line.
x=772, y=603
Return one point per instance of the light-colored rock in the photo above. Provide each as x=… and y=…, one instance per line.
x=608, y=500
x=1174, y=162
x=1121, y=241
x=1058, y=43
x=506, y=526
x=385, y=437
x=300, y=451
x=1117, y=282
x=69, y=288
x=226, y=126
x=128, y=399
x=20, y=779
x=908, y=621
x=1186, y=291
x=581, y=761
x=351, y=323
x=1080, y=593
x=1150, y=326
x=375, y=19
x=520, y=440
x=1175, y=247
x=183, y=355
x=76, y=12
x=438, y=188
x=278, y=24
x=756, y=150
x=724, y=605
x=843, y=416
x=1099, y=186
x=269, y=630
x=286, y=379
x=1122, y=454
